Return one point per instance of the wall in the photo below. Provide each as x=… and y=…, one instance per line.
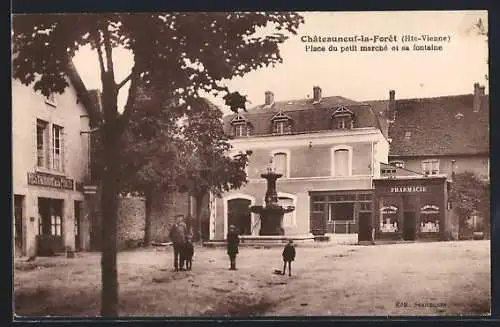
x=311, y=162
x=131, y=221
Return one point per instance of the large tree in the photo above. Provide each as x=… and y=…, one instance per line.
x=209, y=168
x=152, y=151
x=470, y=195
x=178, y=54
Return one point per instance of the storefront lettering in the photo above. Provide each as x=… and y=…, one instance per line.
x=50, y=181
x=408, y=189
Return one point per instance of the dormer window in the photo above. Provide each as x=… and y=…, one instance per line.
x=343, y=118
x=51, y=100
x=282, y=124
x=240, y=126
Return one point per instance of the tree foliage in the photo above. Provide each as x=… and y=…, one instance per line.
x=178, y=54
x=470, y=194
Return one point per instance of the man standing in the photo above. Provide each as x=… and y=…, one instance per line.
x=178, y=234
x=233, y=241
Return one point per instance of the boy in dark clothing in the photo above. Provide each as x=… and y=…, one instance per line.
x=188, y=253
x=288, y=257
x=233, y=241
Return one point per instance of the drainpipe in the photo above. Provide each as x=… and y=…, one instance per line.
x=372, y=168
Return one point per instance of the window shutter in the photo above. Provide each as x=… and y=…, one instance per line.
x=62, y=143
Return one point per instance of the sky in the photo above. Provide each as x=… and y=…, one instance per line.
x=356, y=75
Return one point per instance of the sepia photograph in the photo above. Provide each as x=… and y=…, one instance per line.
x=251, y=164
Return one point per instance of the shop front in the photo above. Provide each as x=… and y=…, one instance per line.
x=340, y=212
x=411, y=208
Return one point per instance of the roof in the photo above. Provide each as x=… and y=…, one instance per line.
x=306, y=115
x=83, y=95
x=440, y=126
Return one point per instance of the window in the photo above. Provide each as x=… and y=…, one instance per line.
x=343, y=122
x=57, y=148
x=397, y=163
x=51, y=99
x=280, y=160
x=341, y=211
x=42, y=135
x=341, y=165
x=240, y=130
x=56, y=225
x=280, y=127
x=407, y=135
x=429, y=219
x=389, y=219
x=430, y=167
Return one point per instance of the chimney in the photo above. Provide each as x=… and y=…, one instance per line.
x=316, y=94
x=391, y=110
x=478, y=97
x=269, y=99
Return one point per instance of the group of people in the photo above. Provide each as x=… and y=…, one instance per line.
x=181, y=238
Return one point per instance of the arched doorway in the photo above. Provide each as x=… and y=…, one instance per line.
x=238, y=214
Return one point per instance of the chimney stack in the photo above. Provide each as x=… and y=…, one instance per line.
x=478, y=97
x=269, y=98
x=316, y=94
x=391, y=110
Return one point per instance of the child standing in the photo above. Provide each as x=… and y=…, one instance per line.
x=233, y=241
x=288, y=257
x=188, y=253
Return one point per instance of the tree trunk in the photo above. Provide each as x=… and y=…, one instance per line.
x=109, y=274
x=199, y=206
x=111, y=133
x=147, y=221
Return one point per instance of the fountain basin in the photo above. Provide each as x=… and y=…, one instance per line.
x=271, y=218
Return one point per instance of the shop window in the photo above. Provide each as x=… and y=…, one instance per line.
x=389, y=219
x=430, y=167
x=341, y=212
x=318, y=207
x=42, y=136
x=429, y=219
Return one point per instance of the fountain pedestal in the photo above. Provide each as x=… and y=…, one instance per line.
x=271, y=215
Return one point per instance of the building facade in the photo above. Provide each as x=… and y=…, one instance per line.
x=381, y=168
x=328, y=150
x=50, y=162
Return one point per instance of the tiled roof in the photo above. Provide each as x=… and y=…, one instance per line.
x=306, y=115
x=440, y=126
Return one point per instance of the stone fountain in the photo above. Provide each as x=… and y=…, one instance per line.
x=271, y=214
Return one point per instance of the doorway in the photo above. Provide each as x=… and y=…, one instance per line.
x=18, y=225
x=238, y=214
x=365, y=226
x=50, y=223
x=409, y=226
x=78, y=212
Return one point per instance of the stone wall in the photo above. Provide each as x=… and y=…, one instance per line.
x=131, y=220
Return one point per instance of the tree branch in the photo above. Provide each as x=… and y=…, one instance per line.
x=97, y=38
x=122, y=83
x=109, y=52
x=132, y=95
